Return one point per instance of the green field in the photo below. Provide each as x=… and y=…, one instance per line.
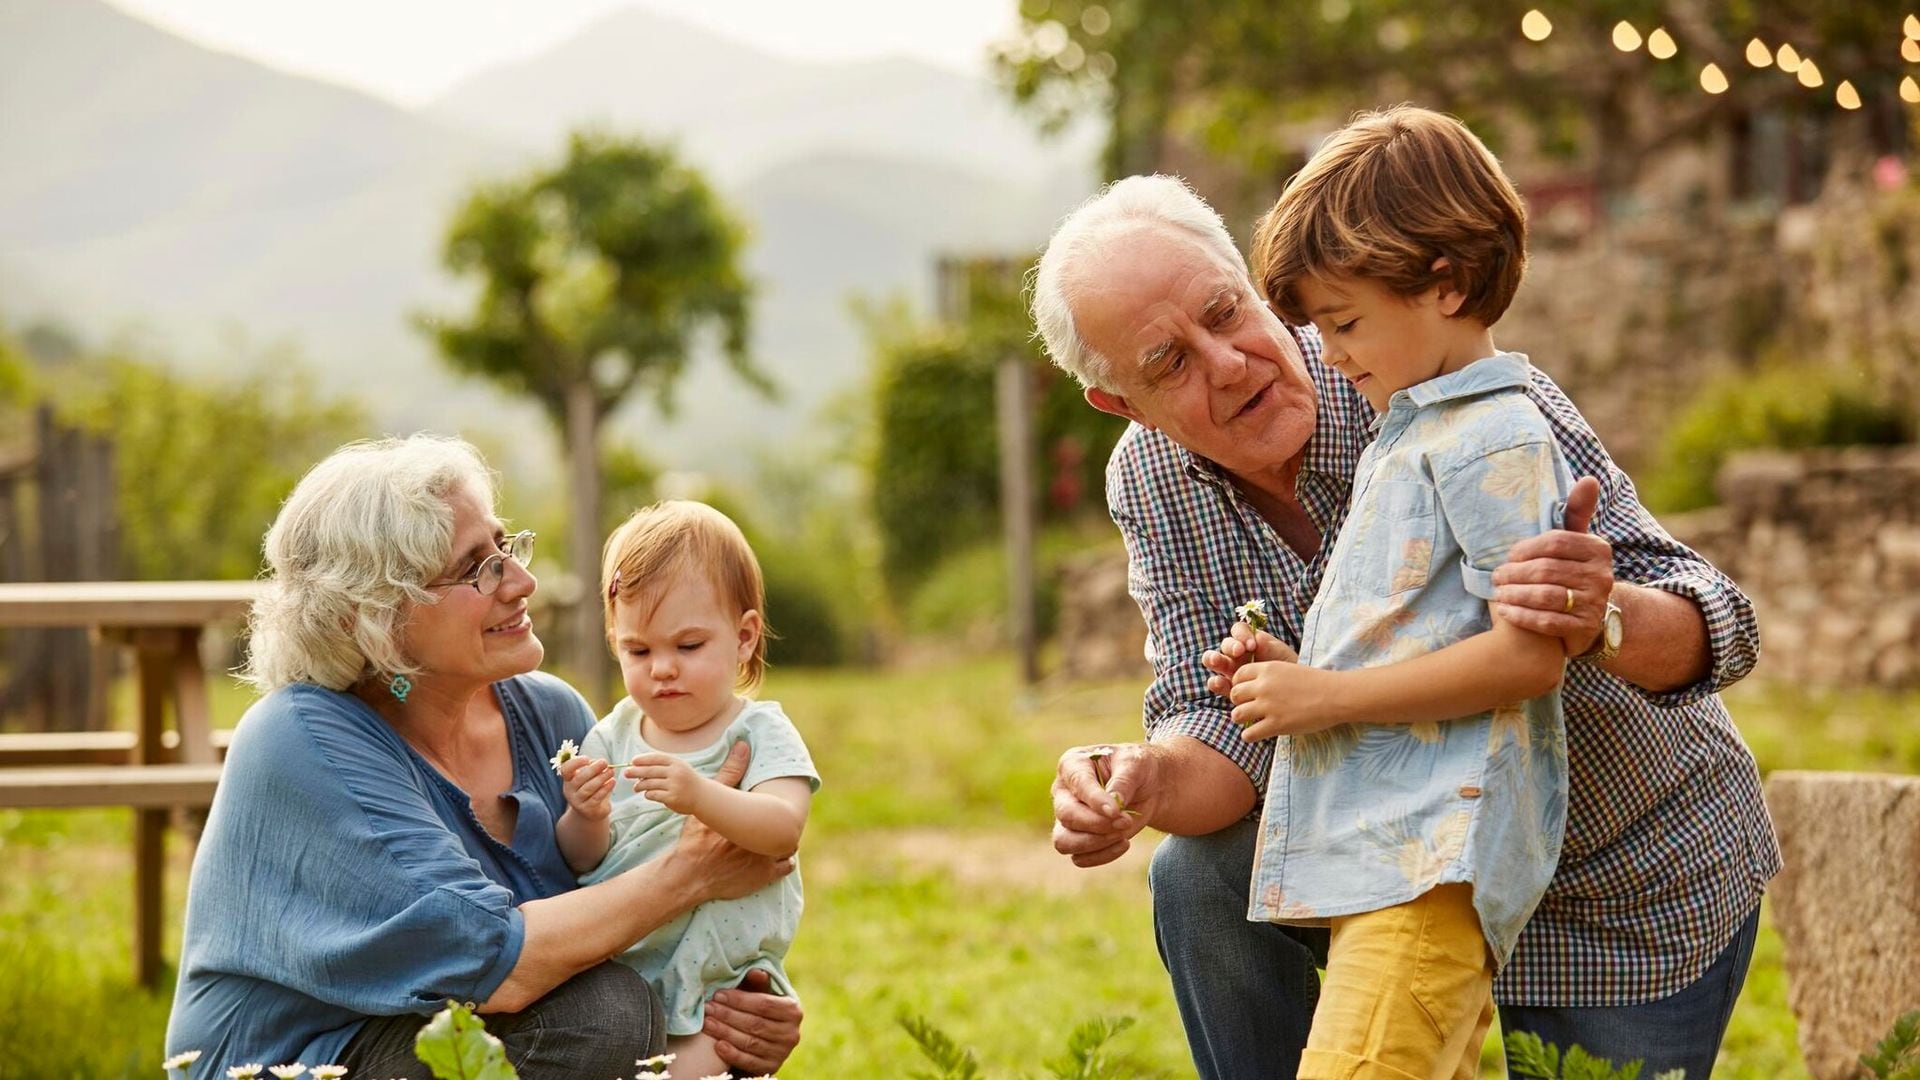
x=931, y=888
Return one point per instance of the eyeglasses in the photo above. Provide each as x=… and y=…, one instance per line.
x=492, y=570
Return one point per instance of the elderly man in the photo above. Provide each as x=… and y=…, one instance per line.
x=1230, y=484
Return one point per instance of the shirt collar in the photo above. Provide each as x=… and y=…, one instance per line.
x=1501, y=371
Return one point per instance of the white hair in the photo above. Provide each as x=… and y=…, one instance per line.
x=348, y=554
x=1084, y=238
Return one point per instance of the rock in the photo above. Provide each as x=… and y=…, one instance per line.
x=1100, y=625
x=1847, y=906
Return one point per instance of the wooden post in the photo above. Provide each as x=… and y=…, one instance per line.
x=1014, y=411
x=149, y=825
x=959, y=282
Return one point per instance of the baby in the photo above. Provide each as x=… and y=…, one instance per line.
x=684, y=601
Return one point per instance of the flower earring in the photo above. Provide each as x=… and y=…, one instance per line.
x=400, y=686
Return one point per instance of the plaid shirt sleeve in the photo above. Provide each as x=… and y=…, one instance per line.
x=1646, y=554
x=1183, y=612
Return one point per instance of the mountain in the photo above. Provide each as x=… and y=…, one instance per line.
x=737, y=111
x=148, y=181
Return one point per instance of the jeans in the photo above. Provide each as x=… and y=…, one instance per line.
x=594, y=1024
x=1247, y=990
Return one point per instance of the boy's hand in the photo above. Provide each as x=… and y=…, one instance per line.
x=588, y=784
x=1243, y=645
x=667, y=780
x=1283, y=698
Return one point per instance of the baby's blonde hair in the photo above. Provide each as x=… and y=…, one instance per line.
x=679, y=536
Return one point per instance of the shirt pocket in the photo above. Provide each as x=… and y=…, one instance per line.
x=1398, y=557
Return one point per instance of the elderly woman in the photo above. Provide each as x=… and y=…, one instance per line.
x=382, y=841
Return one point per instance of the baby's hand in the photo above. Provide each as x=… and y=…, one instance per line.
x=667, y=780
x=588, y=784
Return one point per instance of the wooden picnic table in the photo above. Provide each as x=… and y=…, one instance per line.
x=162, y=622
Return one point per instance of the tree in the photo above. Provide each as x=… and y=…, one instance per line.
x=1239, y=77
x=599, y=279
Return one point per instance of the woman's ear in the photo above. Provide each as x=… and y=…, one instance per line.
x=1449, y=299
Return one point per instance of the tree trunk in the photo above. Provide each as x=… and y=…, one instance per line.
x=589, y=660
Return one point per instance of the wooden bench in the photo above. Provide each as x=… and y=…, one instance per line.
x=156, y=769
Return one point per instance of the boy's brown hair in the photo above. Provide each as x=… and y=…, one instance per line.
x=676, y=537
x=1382, y=199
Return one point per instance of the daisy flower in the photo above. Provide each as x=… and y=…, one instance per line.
x=287, y=1072
x=245, y=1072
x=328, y=1072
x=1253, y=613
x=181, y=1060
x=657, y=1061
x=566, y=753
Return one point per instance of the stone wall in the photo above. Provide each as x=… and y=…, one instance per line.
x=1827, y=545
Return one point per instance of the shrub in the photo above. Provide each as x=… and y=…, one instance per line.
x=1785, y=407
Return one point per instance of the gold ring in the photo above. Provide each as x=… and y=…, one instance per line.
x=1569, y=601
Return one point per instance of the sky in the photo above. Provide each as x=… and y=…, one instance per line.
x=409, y=51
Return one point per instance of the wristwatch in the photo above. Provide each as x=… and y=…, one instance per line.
x=1612, y=630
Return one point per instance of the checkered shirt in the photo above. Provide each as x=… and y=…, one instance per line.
x=1668, y=844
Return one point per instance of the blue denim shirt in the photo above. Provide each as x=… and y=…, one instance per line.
x=1362, y=816
x=341, y=876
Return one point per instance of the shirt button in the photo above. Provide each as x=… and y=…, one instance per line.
x=1469, y=791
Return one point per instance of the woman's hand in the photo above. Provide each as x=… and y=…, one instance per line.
x=668, y=780
x=754, y=1031
x=719, y=868
x=588, y=785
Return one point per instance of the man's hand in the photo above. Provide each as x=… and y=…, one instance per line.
x=754, y=1031
x=1284, y=697
x=1242, y=645
x=1102, y=797
x=668, y=780
x=588, y=786
x=1532, y=586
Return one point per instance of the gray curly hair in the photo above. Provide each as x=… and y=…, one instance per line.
x=348, y=553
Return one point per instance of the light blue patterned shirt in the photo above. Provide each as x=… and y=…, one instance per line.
x=1360, y=817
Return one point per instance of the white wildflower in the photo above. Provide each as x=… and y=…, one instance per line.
x=245, y=1072
x=328, y=1072
x=181, y=1060
x=567, y=752
x=1253, y=613
x=287, y=1072
x=657, y=1061
x=719, y=1076
x=648, y=1074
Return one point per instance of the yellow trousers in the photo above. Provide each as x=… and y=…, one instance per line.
x=1408, y=993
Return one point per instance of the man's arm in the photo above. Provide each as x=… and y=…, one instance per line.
x=1103, y=796
x=1670, y=654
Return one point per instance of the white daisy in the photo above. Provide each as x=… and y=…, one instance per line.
x=245, y=1072
x=1253, y=613
x=565, y=754
x=181, y=1060
x=657, y=1061
x=287, y=1072
x=328, y=1072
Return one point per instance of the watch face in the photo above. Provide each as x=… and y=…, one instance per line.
x=1612, y=629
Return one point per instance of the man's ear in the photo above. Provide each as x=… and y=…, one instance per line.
x=1114, y=404
x=1449, y=299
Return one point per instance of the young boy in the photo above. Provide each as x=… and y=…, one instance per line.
x=1421, y=817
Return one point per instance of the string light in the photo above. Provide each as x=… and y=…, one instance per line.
x=1912, y=26
x=1661, y=45
x=1910, y=91
x=1535, y=25
x=1910, y=51
x=1625, y=37
x=1758, y=54
x=1788, y=60
x=1713, y=80
x=1846, y=95
x=1810, y=74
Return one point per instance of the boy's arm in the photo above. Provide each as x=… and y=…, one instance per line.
x=767, y=820
x=1496, y=667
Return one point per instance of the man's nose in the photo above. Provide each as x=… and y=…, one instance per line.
x=1226, y=365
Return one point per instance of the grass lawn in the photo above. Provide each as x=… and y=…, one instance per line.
x=931, y=889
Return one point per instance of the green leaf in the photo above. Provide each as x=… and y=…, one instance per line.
x=1897, y=1057
x=956, y=1062
x=456, y=1046
x=1084, y=1060
x=1528, y=1055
